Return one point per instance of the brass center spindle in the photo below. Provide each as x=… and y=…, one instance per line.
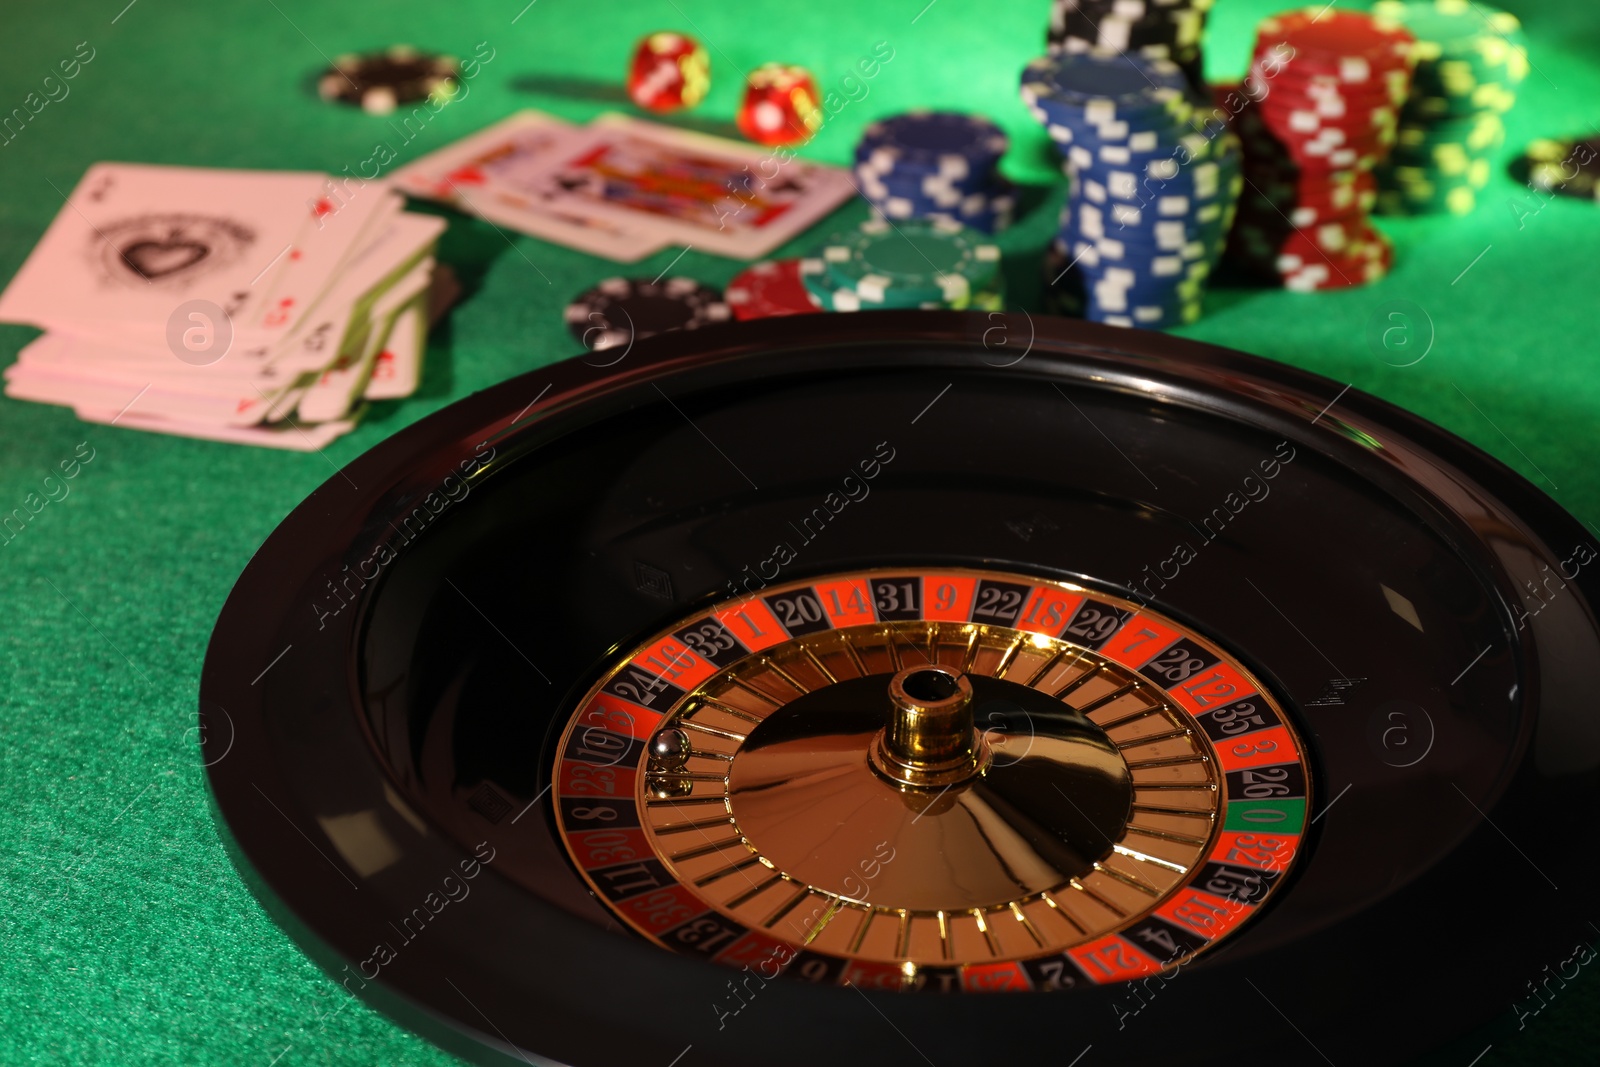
x=929, y=739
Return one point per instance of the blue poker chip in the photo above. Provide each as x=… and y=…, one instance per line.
x=1104, y=87
x=988, y=205
x=967, y=197
x=947, y=143
x=991, y=221
x=1201, y=187
x=1166, y=248
x=1137, y=131
x=1161, y=152
x=1151, y=195
x=930, y=191
x=1083, y=78
x=1072, y=126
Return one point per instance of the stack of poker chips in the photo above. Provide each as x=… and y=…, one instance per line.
x=619, y=311
x=1470, y=60
x=1155, y=29
x=939, y=165
x=1151, y=197
x=1327, y=86
x=918, y=263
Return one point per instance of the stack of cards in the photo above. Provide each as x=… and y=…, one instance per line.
x=624, y=188
x=250, y=306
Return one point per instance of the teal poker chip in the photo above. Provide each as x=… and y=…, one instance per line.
x=914, y=263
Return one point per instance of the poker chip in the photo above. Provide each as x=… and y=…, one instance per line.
x=940, y=165
x=1331, y=115
x=946, y=142
x=768, y=290
x=1470, y=60
x=1151, y=29
x=1151, y=196
x=919, y=263
x=620, y=311
x=1324, y=40
x=1568, y=167
x=378, y=82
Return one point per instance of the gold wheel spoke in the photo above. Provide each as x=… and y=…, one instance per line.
x=1166, y=835
x=788, y=678
x=727, y=735
x=1116, y=694
x=753, y=892
x=1128, y=880
x=1046, y=666
x=850, y=650
x=1150, y=739
x=718, y=875
x=1017, y=913
x=1098, y=899
x=786, y=907
x=705, y=850
x=683, y=827
x=1009, y=656
x=1077, y=683
x=727, y=709
x=817, y=663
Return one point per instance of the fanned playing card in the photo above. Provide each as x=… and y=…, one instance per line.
x=484, y=174
x=133, y=242
x=706, y=192
x=233, y=305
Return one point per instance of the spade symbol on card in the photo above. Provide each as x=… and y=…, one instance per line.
x=168, y=249
x=157, y=259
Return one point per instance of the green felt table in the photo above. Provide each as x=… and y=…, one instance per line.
x=125, y=934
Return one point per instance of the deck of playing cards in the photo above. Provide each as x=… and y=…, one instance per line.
x=624, y=188
x=249, y=306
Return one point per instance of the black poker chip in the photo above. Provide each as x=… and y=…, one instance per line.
x=1569, y=167
x=620, y=311
x=378, y=82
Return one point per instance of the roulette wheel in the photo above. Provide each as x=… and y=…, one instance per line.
x=917, y=686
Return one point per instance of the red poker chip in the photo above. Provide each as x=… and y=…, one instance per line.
x=1352, y=236
x=1265, y=216
x=1384, y=86
x=1319, y=272
x=1309, y=144
x=1325, y=35
x=768, y=290
x=1344, y=244
x=1308, y=117
x=1306, y=259
x=1328, y=104
x=1267, y=65
x=1327, y=198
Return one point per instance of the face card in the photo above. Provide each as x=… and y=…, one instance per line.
x=483, y=175
x=703, y=191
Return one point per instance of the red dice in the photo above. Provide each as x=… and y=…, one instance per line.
x=669, y=71
x=780, y=105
